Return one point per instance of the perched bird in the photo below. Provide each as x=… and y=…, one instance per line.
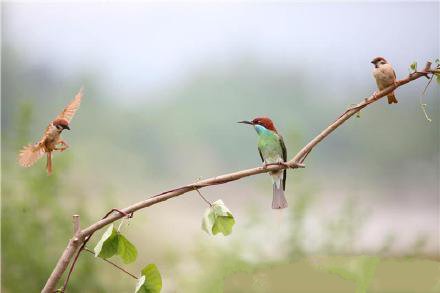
x=51, y=138
x=385, y=76
x=272, y=151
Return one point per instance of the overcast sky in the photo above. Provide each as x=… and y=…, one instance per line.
x=141, y=46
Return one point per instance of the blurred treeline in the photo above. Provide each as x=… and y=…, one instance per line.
x=121, y=152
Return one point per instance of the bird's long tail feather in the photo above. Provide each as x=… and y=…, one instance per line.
x=49, y=163
x=30, y=154
x=279, y=200
x=392, y=98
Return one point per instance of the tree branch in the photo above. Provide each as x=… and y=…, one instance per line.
x=295, y=162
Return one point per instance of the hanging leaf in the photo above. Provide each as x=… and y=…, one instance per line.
x=218, y=219
x=112, y=242
x=126, y=250
x=150, y=280
x=208, y=221
x=108, y=245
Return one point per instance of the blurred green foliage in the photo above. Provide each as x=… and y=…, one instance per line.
x=227, y=269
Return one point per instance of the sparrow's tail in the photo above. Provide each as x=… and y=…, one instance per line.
x=49, y=163
x=392, y=98
x=279, y=200
x=29, y=155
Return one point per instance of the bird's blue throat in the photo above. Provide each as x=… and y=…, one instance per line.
x=261, y=130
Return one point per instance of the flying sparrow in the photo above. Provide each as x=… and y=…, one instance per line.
x=51, y=138
x=385, y=76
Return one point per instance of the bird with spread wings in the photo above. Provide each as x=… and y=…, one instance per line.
x=51, y=140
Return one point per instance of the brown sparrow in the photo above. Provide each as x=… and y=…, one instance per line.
x=51, y=138
x=385, y=76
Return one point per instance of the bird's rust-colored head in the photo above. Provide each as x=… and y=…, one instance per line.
x=61, y=123
x=378, y=60
x=263, y=121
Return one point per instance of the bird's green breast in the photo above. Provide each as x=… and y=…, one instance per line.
x=269, y=145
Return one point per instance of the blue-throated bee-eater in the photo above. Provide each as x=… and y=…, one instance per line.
x=272, y=151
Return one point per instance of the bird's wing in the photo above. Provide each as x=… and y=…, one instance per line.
x=394, y=73
x=30, y=154
x=283, y=147
x=46, y=132
x=33, y=152
x=261, y=155
x=71, y=109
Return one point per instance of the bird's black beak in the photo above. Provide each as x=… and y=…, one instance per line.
x=66, y=127
x=246, y=122
x=372, y=62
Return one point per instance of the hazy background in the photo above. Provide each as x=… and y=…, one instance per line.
x=165, y=84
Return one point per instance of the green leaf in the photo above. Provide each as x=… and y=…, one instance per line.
x=413, y=67
x=437, y=77
x=208, y=221
x=112, y=242
x=150, y=280
x=218, y=219
x=223, y=225
x=108, y=245
x=126, y=250
x=437, y=61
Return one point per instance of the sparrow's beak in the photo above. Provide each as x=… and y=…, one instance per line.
x=246, y=122
x=66, y=127
x=372, y=62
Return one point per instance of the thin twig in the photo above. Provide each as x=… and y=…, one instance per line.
x=207, y=201
x=73, y=265
x=422, y=105
x=113, y=264
x=424, y=73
